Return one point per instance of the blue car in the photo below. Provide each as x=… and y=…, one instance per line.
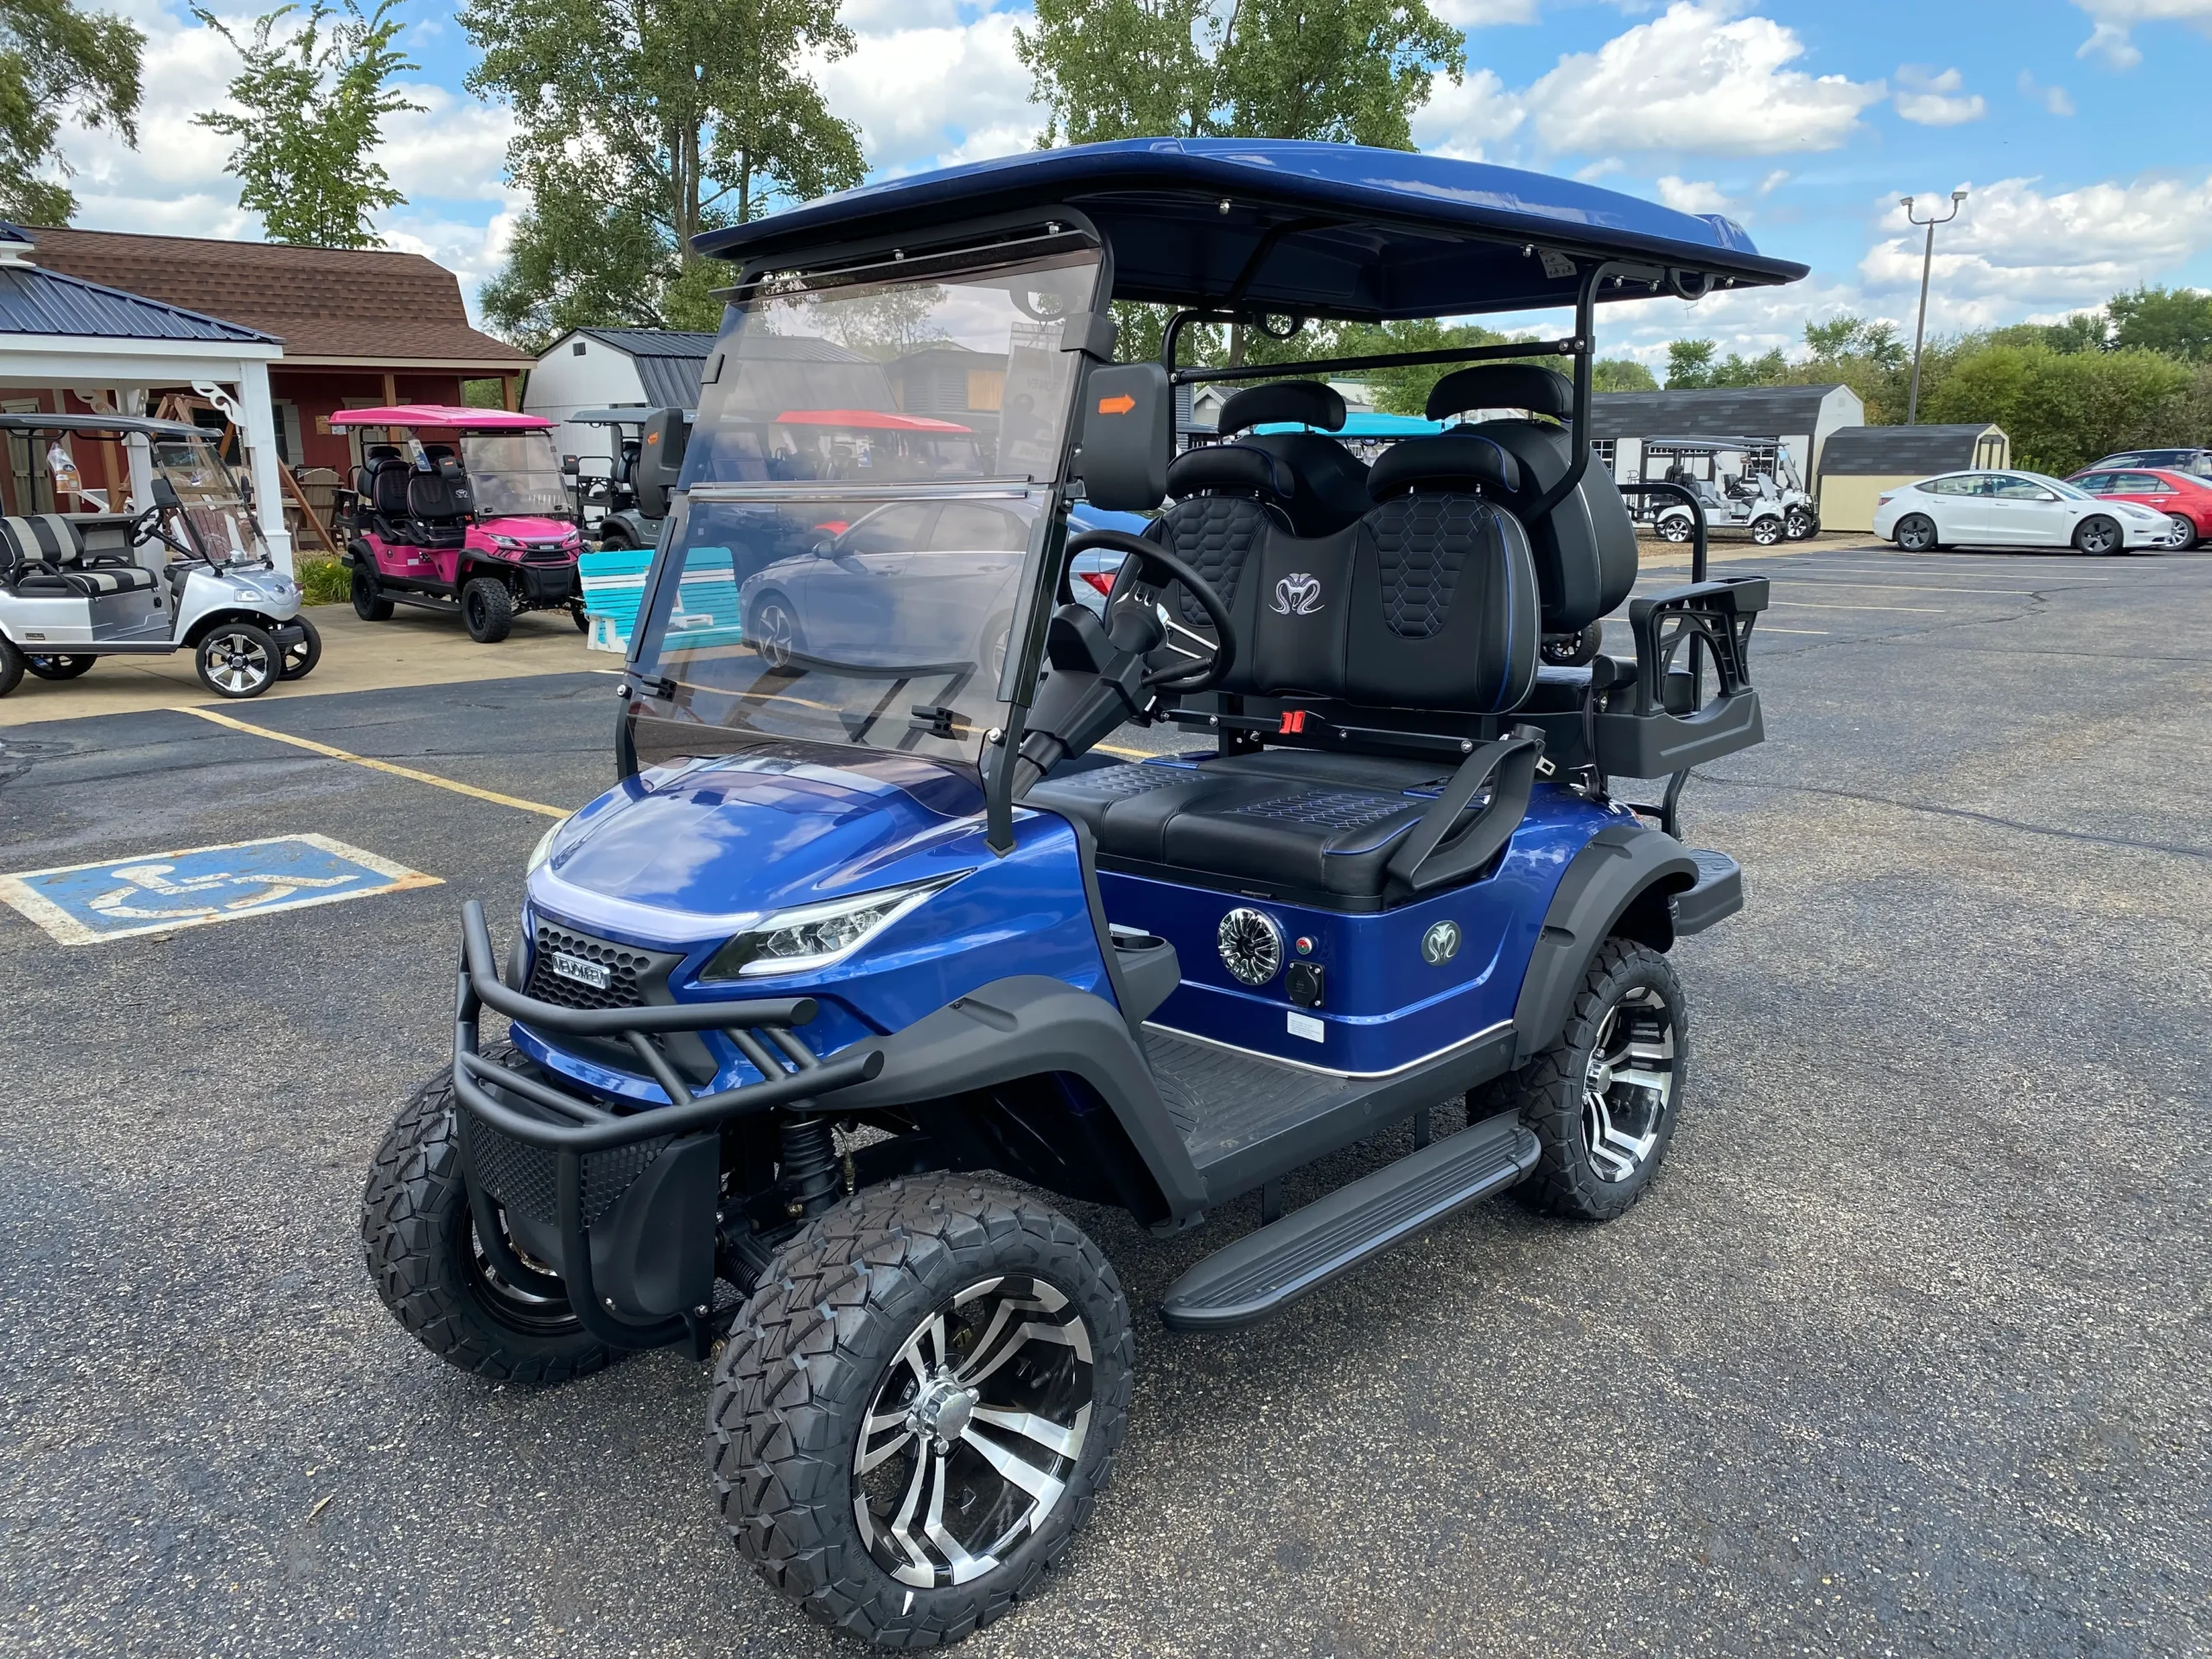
x=880, y=946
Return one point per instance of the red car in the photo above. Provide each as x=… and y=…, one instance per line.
x=2185, y=499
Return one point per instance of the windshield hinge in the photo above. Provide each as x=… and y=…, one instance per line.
x=938, y=721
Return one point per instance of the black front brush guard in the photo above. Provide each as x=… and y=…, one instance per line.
x=569, y=1128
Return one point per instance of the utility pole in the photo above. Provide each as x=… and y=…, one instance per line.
x=1927, y=262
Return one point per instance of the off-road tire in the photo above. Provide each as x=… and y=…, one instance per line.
x=64, y=667
x=581, y=617
x=300, y=660
x=369, y=604
x=810, y=1350
x=1548, y=1090
x=1573, y=649
x=487, y=610
x=12, y=668
x=416, y=1227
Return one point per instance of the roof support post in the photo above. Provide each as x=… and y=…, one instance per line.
x=511, y=392
x=261, y=455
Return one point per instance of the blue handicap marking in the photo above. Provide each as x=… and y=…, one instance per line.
x=154, y=893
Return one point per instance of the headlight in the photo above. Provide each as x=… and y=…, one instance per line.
x=543, y=851
x=798, y=941
x=504, y=540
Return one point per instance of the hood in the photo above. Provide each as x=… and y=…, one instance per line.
x=688, y=854
x=529, y=529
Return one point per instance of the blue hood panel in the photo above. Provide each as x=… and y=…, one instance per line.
x=740, y=834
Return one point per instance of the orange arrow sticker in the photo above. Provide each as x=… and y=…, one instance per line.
x=1120, y=405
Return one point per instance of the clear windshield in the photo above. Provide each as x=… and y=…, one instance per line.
x=217, y=522
x=2058, y=484
x=514, y=474
x=862, y=495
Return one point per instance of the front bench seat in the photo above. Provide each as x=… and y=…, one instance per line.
x=46, y=559
x=1428, y=602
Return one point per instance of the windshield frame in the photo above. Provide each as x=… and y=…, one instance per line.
x=224, y=504
x=1044, y=482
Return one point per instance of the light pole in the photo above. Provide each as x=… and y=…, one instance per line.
x=1927, y=260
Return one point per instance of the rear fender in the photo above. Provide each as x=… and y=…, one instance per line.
x=1619, y=883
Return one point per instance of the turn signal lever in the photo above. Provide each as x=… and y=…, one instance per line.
x=1095, y=686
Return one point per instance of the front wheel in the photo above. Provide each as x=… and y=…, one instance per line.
x=59, y=668
x=919, y=1406
x=12, y=668
x=1601, y=1100
x=1915, y=533
x=419, y=1234
x=300, y=660
x=774, y=632
x=1800, y=525
x=369, y=604
x=581, y=617
x=2097, y=536
x=487, y=609
x=239, y=660
x=2181, y=532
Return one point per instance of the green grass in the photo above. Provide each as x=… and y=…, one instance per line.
x=323, y=581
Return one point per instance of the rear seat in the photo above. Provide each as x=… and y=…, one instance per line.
x=45, y=557
x=1429, y=601
x=1331, y=493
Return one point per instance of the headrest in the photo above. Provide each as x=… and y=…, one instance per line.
x=1501, y=386
x=1305, y=403
x=1448, y=461
x=438, y=451
x=1234, y=467
x=376, y=452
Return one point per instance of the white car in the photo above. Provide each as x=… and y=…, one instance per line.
x=1983, y=509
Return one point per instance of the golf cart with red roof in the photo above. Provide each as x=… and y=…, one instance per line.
x=878, y=942
x=486, y=529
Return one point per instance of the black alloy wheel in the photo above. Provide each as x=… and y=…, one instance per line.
x=2098, y=536
x=1915, y=533
x=59, y=668
x=487, y=610
x=239, y=660
x=368, y=602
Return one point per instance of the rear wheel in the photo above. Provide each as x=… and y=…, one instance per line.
x=2097, y=536
x=487, y=609
x=1676, y=528
x=12, y=668
x=239, y=660
x=369, y=604
x=774, y=632
x=919, y=1407
x=58, y=668
x=1603, y=1098
x=300, y=660
x=419, y=1234
x=1573, y=649
x=1766, y=532
x=1915, y=533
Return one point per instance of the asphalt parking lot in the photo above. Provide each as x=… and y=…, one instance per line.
x=1906, y=1352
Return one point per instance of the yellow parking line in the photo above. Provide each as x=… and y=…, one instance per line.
x=431, y=778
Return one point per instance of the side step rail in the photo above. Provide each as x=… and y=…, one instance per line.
x=1264, y=1272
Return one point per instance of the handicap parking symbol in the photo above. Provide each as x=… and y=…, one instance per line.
x=156, y=892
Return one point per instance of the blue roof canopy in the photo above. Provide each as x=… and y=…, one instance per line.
x=1289, y=225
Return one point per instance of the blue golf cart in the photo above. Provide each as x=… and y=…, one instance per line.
x=882, y=944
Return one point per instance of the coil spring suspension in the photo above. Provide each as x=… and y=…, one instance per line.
x=809, y=1176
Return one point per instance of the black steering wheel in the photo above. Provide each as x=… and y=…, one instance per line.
x=148, y=525
x=1155, y=562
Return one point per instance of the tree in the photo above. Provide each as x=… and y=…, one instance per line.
x=312, y=103
x=2063, y=409
x=2174, y=323
x=1621, y=374
x=640, y=125
x=1689, y=364
x=58, y=62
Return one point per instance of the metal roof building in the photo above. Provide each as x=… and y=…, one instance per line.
x=600, y=368
x=1798, y=420
x=66, y=341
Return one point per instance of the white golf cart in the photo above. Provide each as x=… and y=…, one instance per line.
x=189, y=572
x=1749, y=484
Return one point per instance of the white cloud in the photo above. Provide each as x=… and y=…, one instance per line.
x=1686, y=196
x=1774, y=180
x=1600, y=169
x=1463, y=121
x=1933, y=100
x=2013, y=249
x=1700, y=80
x=2112, y=39
x=922, y=94
x=1481, y=14
x=454, y=149
x=2053, y=98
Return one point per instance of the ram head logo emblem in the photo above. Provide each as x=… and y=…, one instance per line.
x=1298, y=595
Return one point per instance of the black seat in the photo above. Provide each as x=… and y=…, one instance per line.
x=1227, y=497
x=42, y=556
x=1584, y=547
x=1428, y=602
x=438, y=501
x=387, y=498
x=1332, y=493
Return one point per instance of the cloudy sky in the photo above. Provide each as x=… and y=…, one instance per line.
x=2077, y=127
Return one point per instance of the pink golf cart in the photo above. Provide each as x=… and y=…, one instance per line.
x=462, y=510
